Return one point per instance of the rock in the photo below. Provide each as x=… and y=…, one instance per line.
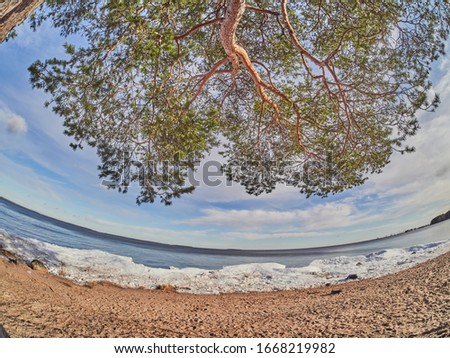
x=166, y=288
x=38, y=266
x=3, y=333
x=358, y=264
x=352, y=277
x=11, y=257
x=335, y=292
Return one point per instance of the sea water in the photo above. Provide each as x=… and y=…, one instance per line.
x=85, y=255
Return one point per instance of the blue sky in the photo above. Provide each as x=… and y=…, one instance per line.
x=40, y=171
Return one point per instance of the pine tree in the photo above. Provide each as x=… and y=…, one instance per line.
x=312, y=93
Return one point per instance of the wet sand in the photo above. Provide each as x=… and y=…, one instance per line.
x=412, y=303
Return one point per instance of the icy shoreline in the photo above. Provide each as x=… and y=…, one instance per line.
x=84, y=266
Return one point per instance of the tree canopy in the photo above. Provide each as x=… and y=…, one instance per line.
x=316, y=93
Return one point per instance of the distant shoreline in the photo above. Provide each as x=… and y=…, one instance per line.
x=410, y=303
x=200, y=250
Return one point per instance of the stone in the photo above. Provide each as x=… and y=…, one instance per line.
x=166, y=288
x=39, y=266
x=335, y=292
x=11, y=257
x=3, y=333
x=352, y=277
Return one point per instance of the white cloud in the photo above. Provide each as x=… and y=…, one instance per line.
x=154, y=234
x=45, y=36
x=420, y=180
x=253, y=236
x=14, y=123
x=322, y=215
x=27, y=182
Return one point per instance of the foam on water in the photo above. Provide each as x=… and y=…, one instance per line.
x=84, y=266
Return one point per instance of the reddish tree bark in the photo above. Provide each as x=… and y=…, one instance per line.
x=13, y=13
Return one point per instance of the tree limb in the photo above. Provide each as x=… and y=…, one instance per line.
x=264, y=11
x=197, y=27
x=207, y=76
x=294, y=38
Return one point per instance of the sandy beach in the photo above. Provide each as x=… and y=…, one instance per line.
x=411, y=303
